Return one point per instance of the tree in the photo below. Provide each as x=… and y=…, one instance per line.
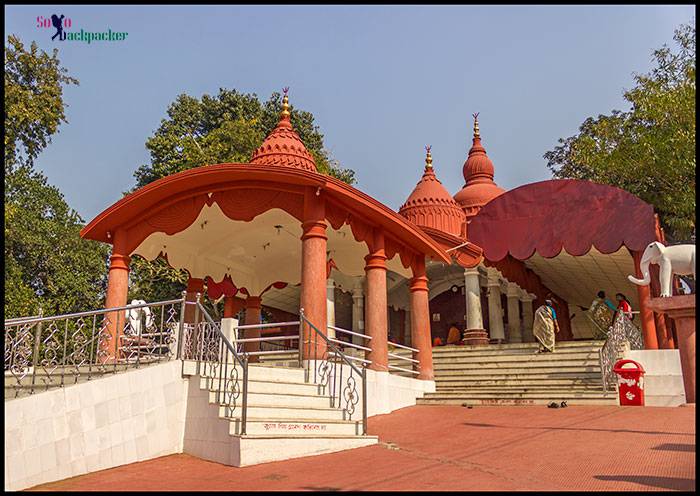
x=47, y=263
x=224, y=128
x=34, y=106
x=648, y=150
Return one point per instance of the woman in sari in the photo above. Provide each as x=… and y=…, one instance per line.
x=545, y=326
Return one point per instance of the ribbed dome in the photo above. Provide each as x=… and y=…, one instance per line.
x=479, y=187
x=283, y=145
x=430, y=205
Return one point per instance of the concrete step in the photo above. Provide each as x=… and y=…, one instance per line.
x=495, y=392
x=297, y=427
x=505, y=364
x=532, y=381
x=272, y=399
x=508, y=401
x=515, y=357
x=283, y=412
x=547, y=371
x=516, y=394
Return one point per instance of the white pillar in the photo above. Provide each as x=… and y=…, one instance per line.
x=528, y=316
x=495, y=310
x=358, y=312
x=330, y=306
x=472, y=293
x=513, y=295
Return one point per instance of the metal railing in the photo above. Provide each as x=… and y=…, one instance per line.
x=219, y=362
x=622, y=334
x=411, y=361
x=47, y=352
x=328, y=361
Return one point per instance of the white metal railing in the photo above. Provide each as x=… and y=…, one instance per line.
x=53, y=351
x=411, y=361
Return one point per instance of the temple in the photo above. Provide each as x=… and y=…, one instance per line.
x=275, y=236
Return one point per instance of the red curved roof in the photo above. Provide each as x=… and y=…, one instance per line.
x=192, y=183
x=562, y=213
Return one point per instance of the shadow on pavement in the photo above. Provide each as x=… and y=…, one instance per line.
x=473, y=424
x=652, y=481
x=689, y=448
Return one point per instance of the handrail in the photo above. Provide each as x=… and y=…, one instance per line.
x=44, y=352
x=271, y=324
x=402, y=346
x=329, y=368
x=229, y=389
x=340, y=329
x=32, y=320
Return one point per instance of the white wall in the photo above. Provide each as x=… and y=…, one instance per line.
x=103, y=423
x=663, y=378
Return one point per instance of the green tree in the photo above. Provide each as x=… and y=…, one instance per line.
x=34, y=106
x=224, y=128
x=47, y=264
x=648, y=150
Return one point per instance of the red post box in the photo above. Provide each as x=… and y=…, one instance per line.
x=630, y=383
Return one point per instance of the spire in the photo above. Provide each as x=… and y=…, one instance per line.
x=428, y=158
x=283, y=145
x=285, y=104
x=476, y=126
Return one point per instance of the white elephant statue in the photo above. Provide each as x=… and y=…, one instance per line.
x=678, y=259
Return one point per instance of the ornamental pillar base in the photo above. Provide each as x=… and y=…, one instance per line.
x=475, y=337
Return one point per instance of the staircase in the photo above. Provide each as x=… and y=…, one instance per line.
x=286, y=417
x=512, y=374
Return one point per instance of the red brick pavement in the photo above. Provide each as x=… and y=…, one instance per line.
x=590, y=448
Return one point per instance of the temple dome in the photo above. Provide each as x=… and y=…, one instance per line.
x=283, y=145
x=479, y=186
x=430, y=205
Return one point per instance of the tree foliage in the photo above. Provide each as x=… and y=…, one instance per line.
x=648, y=150
x=225, y=128
x=47, y=264
x=34, y=106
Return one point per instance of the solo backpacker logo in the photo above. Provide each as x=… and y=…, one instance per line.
x=62, y=23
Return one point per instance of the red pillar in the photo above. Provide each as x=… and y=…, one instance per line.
x=682, y=310
x=194, y=286
x=663, y=327
x=645, y=313
x=313, y=273
x=375, y=304
x=253, y=306
x=117, y=292
x=232, y=306
x=420, y=321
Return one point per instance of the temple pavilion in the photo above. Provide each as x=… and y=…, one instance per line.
x=273, y=236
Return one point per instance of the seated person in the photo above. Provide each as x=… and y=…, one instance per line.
x=437, y=342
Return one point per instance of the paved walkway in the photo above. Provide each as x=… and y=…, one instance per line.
x=439, y=448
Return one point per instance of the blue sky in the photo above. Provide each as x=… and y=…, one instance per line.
x=382, y=82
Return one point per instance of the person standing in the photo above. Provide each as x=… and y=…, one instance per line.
x=545, y=326
x=623, y=305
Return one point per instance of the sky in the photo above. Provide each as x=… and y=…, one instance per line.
x=381, y=81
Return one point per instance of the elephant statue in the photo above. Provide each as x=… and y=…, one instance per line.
x=678, y=259
x=134, y=316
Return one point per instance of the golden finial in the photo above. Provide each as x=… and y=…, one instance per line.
x=476, y=125
x=428, y=157
x=285, y=102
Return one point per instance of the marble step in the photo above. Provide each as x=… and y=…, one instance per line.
x=280, y=411
x=272, y=399
x=515, y=401
x=553, y=371
x=532, y=363
x=297, y=427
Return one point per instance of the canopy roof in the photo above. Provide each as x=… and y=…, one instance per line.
x=570, y=214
